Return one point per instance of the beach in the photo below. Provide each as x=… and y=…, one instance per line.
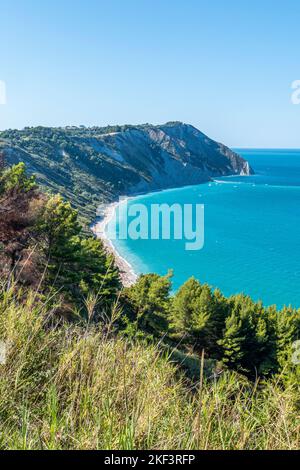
x=127, y=274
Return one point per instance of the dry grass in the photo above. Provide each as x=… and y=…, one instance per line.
x=74, y=387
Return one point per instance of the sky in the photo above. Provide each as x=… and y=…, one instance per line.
x=226, y=67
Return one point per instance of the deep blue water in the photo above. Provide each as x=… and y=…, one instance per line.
x=252, y=232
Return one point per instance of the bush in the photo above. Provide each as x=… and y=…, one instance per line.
x=81, y=387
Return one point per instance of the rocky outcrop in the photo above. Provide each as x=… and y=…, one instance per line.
x=173, y=154
x=149, y=153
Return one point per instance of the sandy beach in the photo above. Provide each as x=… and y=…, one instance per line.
x=127, y=274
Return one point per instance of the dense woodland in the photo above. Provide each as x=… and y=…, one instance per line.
x=53, y=275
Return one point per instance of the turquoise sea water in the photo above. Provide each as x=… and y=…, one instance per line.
x=252, y=232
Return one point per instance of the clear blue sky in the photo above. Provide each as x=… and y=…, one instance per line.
x=224, y=66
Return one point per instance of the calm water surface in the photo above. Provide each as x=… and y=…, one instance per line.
x=252, y=232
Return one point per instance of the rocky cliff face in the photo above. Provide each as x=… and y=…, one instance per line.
x=174, y=154
x=83, y=163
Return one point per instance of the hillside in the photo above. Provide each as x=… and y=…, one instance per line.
x=105, y=392
x=93, y=165
x=87, y=364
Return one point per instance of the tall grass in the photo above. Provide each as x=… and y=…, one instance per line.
x=80, y=387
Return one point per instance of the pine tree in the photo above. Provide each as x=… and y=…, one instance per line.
x=76, y=265
x=287, y=331
x=232, y=341
x=183, y=306
x=148, y=303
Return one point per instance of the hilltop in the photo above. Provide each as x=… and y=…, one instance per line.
x=94, y=165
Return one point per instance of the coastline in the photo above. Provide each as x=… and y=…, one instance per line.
x=127, y=274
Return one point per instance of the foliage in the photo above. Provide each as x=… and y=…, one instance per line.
x=199, y=315
x=48, y=251
x=20, y=204
x=49, y=245
x=70, y=161
x=148, y=303
x=81, y=387
x=242, y=334
x=15, y=178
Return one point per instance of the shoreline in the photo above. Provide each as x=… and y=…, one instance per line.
x=127, y=273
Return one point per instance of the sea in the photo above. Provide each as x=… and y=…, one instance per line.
x=251, y=232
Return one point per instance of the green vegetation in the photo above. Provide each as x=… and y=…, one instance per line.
x=236, y=332
x=66, y=164
x=42, y=245
x=82, y=386
x=15, y=179
x=91, y=365
x=72, y=162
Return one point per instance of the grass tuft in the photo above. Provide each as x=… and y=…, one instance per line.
x=81, y=387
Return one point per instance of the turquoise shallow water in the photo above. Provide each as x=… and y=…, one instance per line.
x=252, y=232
